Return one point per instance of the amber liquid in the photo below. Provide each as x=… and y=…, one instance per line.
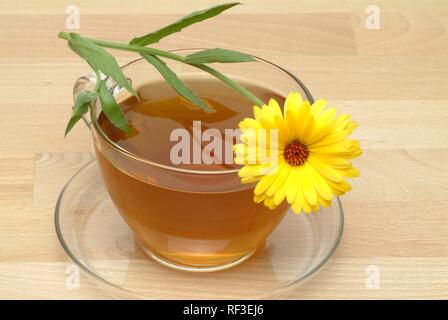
x=182, y=224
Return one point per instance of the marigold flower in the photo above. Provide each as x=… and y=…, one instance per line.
x=312, y=153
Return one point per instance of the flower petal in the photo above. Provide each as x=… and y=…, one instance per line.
x=297, y=205
x=325, y=170
x=280, y=195
x=317, y=107
x=305, y=122
x=291, y=113
x=322, y=125
x=308, y=188
x=319, y=183
x=293, y=184
x=265, y=182
x=280, y=180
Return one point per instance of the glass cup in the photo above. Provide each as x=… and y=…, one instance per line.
x=195, y=220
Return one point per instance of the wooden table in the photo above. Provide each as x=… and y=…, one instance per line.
x=394, y=81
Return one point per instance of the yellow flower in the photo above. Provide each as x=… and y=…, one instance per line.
x=302, y=154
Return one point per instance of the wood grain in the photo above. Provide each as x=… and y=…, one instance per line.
x=393, y=81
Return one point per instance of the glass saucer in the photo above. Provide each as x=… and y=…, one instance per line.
x=96, y=239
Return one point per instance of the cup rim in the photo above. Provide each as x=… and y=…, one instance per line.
x=129, y=154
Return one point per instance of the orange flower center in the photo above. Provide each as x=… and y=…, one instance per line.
x=296, y=153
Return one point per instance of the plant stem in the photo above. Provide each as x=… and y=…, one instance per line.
x=230, y=83
x=129, y=47
x=172, y=56
x=98, y=80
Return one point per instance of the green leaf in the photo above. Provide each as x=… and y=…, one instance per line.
x=218, y=55
x=175, y=82
x=99, y=59
x=236, y=86
x=82, y=103
x=111, y=109
x=182, y=23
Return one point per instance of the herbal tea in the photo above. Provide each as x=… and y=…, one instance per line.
x=197, y=217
